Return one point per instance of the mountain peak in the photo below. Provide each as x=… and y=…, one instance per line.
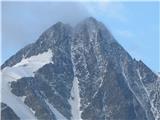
x=59, y=25
x=90, y=19
x=67, y=75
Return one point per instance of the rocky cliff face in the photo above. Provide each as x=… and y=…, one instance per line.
x=88, y=76
x=7, y=113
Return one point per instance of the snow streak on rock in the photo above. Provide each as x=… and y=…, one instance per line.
x=129, y=86
x=151, y=94
x=58, y=115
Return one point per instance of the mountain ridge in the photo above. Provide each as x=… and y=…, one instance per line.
x=88, y=61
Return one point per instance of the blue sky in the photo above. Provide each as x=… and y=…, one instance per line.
x=135, y=25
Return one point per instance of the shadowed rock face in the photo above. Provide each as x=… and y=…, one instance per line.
x=7, y=113
x=112, y=85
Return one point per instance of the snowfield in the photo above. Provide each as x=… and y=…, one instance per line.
x=25, y=68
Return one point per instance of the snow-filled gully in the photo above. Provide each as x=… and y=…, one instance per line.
x=75, y=100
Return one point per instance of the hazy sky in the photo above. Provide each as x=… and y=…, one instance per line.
x=133, y=24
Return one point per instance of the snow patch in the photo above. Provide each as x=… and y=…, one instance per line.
x=23, y=98
x=37, y=60
x=28, y=66
x=32, y=111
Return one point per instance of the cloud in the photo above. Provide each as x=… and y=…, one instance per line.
x=111, y=10
x=23, y=22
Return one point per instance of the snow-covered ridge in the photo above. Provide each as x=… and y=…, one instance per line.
x=25, y=68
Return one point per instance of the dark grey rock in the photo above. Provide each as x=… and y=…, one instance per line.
x=7, y=113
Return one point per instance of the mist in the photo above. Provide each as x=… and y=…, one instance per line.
x=23, y=22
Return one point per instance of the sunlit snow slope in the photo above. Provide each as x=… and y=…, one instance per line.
x=25, y=68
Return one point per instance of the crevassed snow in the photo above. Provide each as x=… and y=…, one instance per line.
x=58, y=115
x=25, y=68
x=75, y=100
